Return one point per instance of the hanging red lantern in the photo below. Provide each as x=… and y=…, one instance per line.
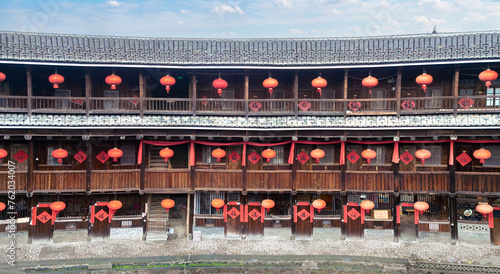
x=319, y=83
x=482, y=154
x=484, y=208
x=369, y=82
x=113, y=80
x=56, y=207
x=3, y=153
x=2, y=206
x=167, y=81
x=268, y=154
x=270, y=83
x=217, y=204
x=268, y=204
x=317, y=154
x=421, y=206
x=367, y=205
x=369, y=154
x=168, y=204
x=219, y=84
x=319, y=204
x=115, y=153
x=218, y=153
x=113, y=207
x=423, y=154
x=488, y=76
x=2, y=77
x=424, y=79
x=166, y=154
x=60, y=154
x=56, y=80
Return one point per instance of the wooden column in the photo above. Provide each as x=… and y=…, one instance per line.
x=346, y=79
x=141, y=94
x=296, y=94
x=415, y=199
x=29, y=185
x=88, y=92
x=343, y=193
x=142, y=176
x=397, y=185
x=244, y=226
x=452, y=201
x=455, y=91
x=245, y=91
x=398, y=92
x=29, y=89
x=192, y=92
x=190, y=219
x=144, y=205
x=88, y=166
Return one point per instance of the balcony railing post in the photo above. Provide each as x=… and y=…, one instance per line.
x=192, y=91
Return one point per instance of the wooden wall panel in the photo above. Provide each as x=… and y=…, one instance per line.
x=371, y=181
x=477, y=182
x=277, y=179
x=174, y=178
x=320, y=180
x=219, y=179
x=425, y=181
x=20, y=179
x=59, y=180
x=115, y=179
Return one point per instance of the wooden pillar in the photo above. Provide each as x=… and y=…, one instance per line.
x=296, y=94
x=246, y=91
x=452, y=202
x=244, y=226
x=141, y=94
x=398, y=92
x=88, y=93
x=31, y=203
x=193, y=93
x=456, y=79
x=144, y=205
x=29, y=184
x=29, y=89
x=88, y=166
x=415, y=199
x=294, y=171
x=343, y=193
x=346, y=79
x=190, y=215
x=142, y=177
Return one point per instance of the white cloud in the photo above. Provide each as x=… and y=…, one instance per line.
x=427, y=21
x=113, y=3
x=296, y=31
x=226, y=9
x=437, y=5
x=184, y=11
x=284, y=3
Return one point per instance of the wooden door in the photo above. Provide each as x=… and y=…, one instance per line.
x=352, y=217
x=99, y=219
x=303, y=217
x=254, y=216
x=407, y=225
x=233, y=217
x=496, y=227
x=42, y=229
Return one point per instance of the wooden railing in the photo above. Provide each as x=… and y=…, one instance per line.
x=167, y=179
x=477, y=182
x=425, y=181
x=13, y=103
x=269, y=180
x=318, y=180
x=167, y=105
x=219, y=179
x=320, y=106
x=65, y=180
x=213, y=106
x=364, y=106
x=488, y=103
x=370, y=180
x=114, y=104
x=58, y=104
x=124, y=179
x=271, y=106
x=20, y=181
x=416, y=105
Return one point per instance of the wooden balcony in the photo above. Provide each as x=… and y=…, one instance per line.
x=425, y=181
x=171, y=179
x=219, y=179
x=59, y=180
x=269, y=180
x=114, y=180
x=477, y=182
x=427, y=105
x=315, y=180
x=20, y=182
x=370, y=180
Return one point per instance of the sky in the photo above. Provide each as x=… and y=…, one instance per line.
x=249, y=18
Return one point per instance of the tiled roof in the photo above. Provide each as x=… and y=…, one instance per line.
x=251, y=123
x=90, y=49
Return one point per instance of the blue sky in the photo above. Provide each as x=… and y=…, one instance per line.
x=249, y=19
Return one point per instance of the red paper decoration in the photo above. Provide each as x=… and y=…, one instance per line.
x=167, y=204
x=317, y=154
x=233, y=213
x=319, y=83
x=115, y=153
x=268, y=154
x=424, y=79
x=80, y=156
x=255, y=106
x=135, y=102
x=56, y=80
x=463, y=158
x=60, y=154
x=268, y=204
x=102, y=157
x=166, y=154
x=204, y=102
x=101, y=215
x=44, y=217
x=466, y=102
x=303, y=157
x=319, y=204
x=218, y=153
x=303, y=214
x=167, y=81
x=408, y=104
x=78, y=101
x=353, y=157
x=488, y=76
x=369, y=82
x=21, y=156
x=482, y=154
x=219, y=84
x=353, y=214
x=113, y=80
x=304, y=105
x=369, y=154
x=354, y=105
x=254, y=214
x=254, y=157
x=270, y=83
x=423, y=154
x=234, y=156
x=406, y=157
x=217, y=204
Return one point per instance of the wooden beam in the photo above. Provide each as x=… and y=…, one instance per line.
x=452, y=202
x=141, y=94
x=398, y=92
x=142, y=174
x=346, y=79
x=29, y=89
x=193, y=93
x=88, y=166
x=456, y=79
x=88, y=92
x=190, y=214
x=246, y=91
x=296, y=94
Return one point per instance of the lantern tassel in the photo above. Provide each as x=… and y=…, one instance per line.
x=481, y=161
x=60, y=161
x=270, y=91
x=218, y=159
x=113, y=87
x=268, y=160
x=167, y=88
x=317, y=161
x=424, y=87
x=488, y=83
x=370, y=90
x=423, y=162
x=115, y=159
x=56, y=86
x=319, y=91
x=219, y=91
x=369, y=161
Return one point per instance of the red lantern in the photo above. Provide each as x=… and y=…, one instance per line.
x=217, y=204
x=56, y=80
x=166, y=153
x=2, y=77
x=168, y=204
x=2, y=206
x=421, y=206
x=268, y=204
x=484, y=209
x=369, y=154
x=115, y=153
x=488, y=76
x=424, y=80
x=370, y=82
x=270, y=83
x=319, y=204
x=482, y=154
x=367, y=205
x=56, y=207
x=60, y=154
x=268, y=154
x=113, y=80
x=3, y=153
x=167, y=81
x=219, y=84
x=113, y=207
x=319, y=83
x=317, y=154
x=219, y=153
x=423, y=154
